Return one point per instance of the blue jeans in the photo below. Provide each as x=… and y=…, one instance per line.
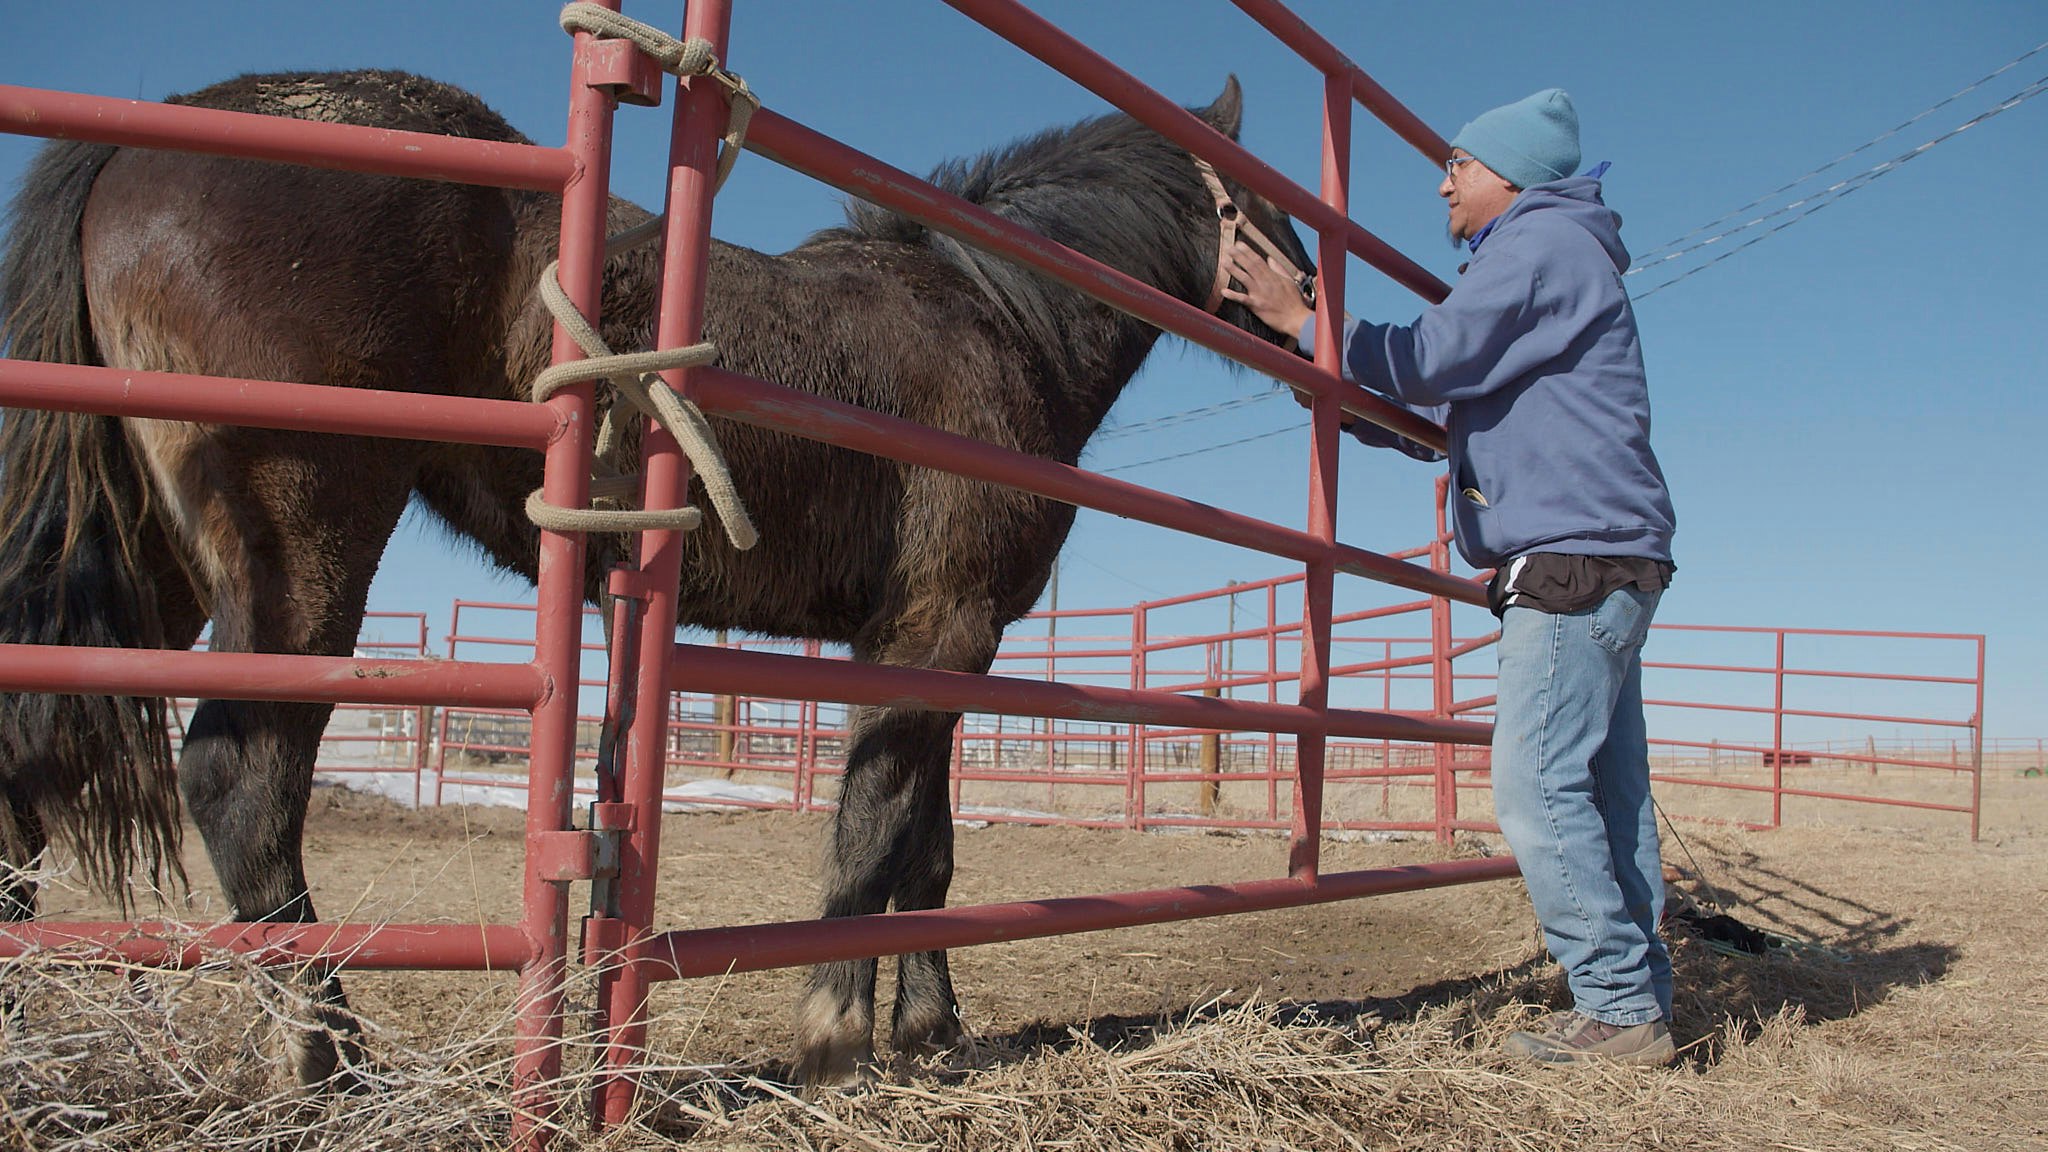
x=1571, y=790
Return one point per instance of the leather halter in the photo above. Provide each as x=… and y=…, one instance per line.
x=1235, y=223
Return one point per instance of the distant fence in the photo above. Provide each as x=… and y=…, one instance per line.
x=1743, y=722
x=1893, y=719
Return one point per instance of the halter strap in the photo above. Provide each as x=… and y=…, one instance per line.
x=1234, y=223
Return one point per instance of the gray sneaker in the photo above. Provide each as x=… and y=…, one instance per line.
x=1575, y=1038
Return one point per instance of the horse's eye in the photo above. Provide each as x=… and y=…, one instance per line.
x=1226, y=211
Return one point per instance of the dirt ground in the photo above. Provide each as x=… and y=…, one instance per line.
x=372, y=861
x=1907, y=1014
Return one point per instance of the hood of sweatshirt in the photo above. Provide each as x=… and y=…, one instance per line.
x=1576, y=199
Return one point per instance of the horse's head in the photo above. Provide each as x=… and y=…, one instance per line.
x=1244, y=215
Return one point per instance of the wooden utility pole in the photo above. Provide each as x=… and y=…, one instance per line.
x=1210, y=795
x=723, y=711
x=1212, y=764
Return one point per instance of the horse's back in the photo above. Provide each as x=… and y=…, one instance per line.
x=856, y=540
x=241, y=268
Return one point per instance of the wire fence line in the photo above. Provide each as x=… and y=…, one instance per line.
x=1823, y=198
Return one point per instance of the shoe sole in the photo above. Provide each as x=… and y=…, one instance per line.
x=1657, y=1056
x=1529, y=1046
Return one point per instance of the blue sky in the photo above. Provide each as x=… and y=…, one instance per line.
x=1850, y=412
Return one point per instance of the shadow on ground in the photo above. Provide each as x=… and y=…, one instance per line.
x=1830, y=957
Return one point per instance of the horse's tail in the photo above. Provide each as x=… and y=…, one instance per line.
x=90, y=772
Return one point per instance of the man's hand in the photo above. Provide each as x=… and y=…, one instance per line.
x=1270, y=293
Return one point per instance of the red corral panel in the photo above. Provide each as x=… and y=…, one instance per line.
x=619, y=853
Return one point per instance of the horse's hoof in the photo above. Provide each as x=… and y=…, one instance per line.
x=836, y=1068
x=329, y=1063
x=927, y=1033
x=835, y=1047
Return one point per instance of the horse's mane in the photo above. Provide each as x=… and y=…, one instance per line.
x=1109, y=187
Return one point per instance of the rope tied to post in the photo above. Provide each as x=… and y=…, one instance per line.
x=680, y=58
x=633, y=374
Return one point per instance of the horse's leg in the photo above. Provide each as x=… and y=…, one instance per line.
x=892, y=839
x=19, y=853
x=18, y=861
x=246, y=777
x=926, y=1017
x=293, y=526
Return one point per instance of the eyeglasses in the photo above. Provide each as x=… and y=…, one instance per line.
x=1451, y=165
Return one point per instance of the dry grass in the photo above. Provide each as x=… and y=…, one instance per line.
x=1914, y=1022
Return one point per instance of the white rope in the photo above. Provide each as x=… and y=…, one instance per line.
x=680, y=58
x=633, y=375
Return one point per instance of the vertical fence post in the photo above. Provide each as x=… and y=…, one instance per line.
x=724, y=710
x=1386, y=745
x=1052, y=632
x=1272, y=697
x=1134, y=787
x=440, y=756
x=1977, y=750
x=1778, y=735
x=422, y=749
x=1304, y=857
x=423, y=718
x=811, y=718
x=1211, y=765
x=699, y=122
x=802, y=773
x=959, y=761
x=558, y=627
x=1442, y=687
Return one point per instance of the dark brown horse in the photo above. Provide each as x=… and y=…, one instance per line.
x=135, y=533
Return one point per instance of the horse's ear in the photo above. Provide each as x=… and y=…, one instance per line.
x=1227, y=111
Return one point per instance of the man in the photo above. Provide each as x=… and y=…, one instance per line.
x=1533, y=365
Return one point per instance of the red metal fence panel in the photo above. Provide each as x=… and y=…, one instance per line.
x=645, y=667
x=1181, y=699
x=1722, y=730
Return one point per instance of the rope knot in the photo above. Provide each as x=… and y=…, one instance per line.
x=633, y=375
x=678, y=58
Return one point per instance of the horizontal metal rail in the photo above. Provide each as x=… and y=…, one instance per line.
x=822, y=158
x=1293, y=31
x=276, y=404
x=1811, y=794
x=380, y=947
x=1088, y=68
x=758, y=402
x=1810, y=714
x=700, y=668
x=753, y=948
x=313, y=143
x=268, y=676
x=1819, y=673
x=1845, y=633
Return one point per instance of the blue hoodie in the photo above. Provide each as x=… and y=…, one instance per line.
x=1534, y=367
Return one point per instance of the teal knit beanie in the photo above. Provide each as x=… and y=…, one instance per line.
x=1533, y=141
